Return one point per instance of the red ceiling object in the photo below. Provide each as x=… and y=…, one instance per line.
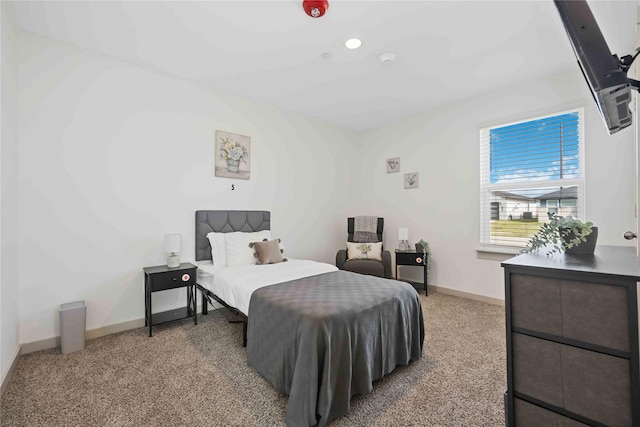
x=315, y=8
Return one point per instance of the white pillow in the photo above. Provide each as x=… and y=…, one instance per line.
x=237, y=246
x=218, y=249
x=364, y=251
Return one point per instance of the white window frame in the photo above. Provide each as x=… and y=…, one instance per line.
x=486, y=188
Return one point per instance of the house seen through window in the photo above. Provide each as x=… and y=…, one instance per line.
x=530, y=169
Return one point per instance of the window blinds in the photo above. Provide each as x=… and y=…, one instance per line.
x=528, y=170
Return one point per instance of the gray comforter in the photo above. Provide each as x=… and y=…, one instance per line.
x=325, y=338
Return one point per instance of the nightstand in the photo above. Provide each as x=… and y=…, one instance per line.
x=412, y=258
x=162, y=278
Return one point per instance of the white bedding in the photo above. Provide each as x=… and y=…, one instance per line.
x=234, y=285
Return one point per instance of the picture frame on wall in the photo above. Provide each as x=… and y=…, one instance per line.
x=411, y=180
x=393, y=165
x=232, y=155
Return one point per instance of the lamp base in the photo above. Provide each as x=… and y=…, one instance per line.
x=404, y=245
x=173, y=260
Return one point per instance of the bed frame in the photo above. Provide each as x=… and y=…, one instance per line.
x=332, y=339
x=225, y=222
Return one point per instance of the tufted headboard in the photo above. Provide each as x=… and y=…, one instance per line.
x=226, y=222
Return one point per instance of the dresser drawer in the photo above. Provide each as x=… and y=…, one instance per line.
x=172, y=279
x=530, y=415
x=588, y=383
x=588, y=312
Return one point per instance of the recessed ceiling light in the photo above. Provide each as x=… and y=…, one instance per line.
x=353, y=43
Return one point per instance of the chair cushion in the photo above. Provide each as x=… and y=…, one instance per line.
x=365, y=266
x=364, y=251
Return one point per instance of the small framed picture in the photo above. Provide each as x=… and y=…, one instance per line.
x=411, y=180
x=393, y=165
x=233, y=155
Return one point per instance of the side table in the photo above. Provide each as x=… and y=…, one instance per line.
x=412, y=258
x=162, y=278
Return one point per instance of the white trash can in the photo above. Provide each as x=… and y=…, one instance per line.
x=73, y=316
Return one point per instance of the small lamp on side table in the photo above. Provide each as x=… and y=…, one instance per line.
x=403, y=236
x=172, y=243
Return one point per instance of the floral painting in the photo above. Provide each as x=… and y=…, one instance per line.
x=411, y=180
x=393, y=165
x=233, y=155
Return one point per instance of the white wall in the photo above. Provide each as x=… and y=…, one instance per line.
x=443, y=146
x=9, y=341
x=113, y=156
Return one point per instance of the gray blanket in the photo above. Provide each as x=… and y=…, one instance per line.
x=365, y=229
x=325, y=338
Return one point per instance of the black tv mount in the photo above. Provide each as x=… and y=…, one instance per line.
x=625, y=63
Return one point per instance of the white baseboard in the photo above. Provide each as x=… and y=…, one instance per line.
x=54, y=342
x=113, y=329
x=7, y=375
x=468, y=295
x=45, y=344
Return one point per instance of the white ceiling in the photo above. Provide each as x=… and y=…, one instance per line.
x=272, y=52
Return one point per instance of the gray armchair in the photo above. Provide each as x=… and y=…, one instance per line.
x=365, y=266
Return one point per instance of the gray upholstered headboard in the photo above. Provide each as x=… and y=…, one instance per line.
x=226, y=222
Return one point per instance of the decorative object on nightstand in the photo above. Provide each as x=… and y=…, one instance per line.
x=416, y=259
x=423, y=246
x=172, y=244
x=162, y=278
x=403, y=236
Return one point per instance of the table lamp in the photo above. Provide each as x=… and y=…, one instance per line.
x=172, y=243
x=403, y=236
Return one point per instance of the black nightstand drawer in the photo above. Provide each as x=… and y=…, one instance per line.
x=173, y=279
x=409, y=258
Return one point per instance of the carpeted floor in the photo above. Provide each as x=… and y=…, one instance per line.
x=197, y=375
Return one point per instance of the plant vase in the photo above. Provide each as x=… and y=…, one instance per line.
x=233, y=165
x=584, y=248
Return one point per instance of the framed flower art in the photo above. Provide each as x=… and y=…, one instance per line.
x=233, y=155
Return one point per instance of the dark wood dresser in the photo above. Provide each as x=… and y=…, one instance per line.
x=572, y=339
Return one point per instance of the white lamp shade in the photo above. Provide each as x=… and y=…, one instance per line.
x=172, y=242
x=403, y=233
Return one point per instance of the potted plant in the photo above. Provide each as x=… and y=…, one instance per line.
x=423, y=246
x=566, y=234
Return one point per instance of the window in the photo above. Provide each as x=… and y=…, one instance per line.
x=528, y=170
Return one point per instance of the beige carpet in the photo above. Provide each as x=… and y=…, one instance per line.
x=197, y=375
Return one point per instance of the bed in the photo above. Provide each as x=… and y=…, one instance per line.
x=316, y=333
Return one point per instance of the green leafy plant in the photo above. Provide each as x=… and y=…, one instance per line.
x=426, y=253
x=559, y=234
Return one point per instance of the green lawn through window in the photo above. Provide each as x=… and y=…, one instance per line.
x=506, y=228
